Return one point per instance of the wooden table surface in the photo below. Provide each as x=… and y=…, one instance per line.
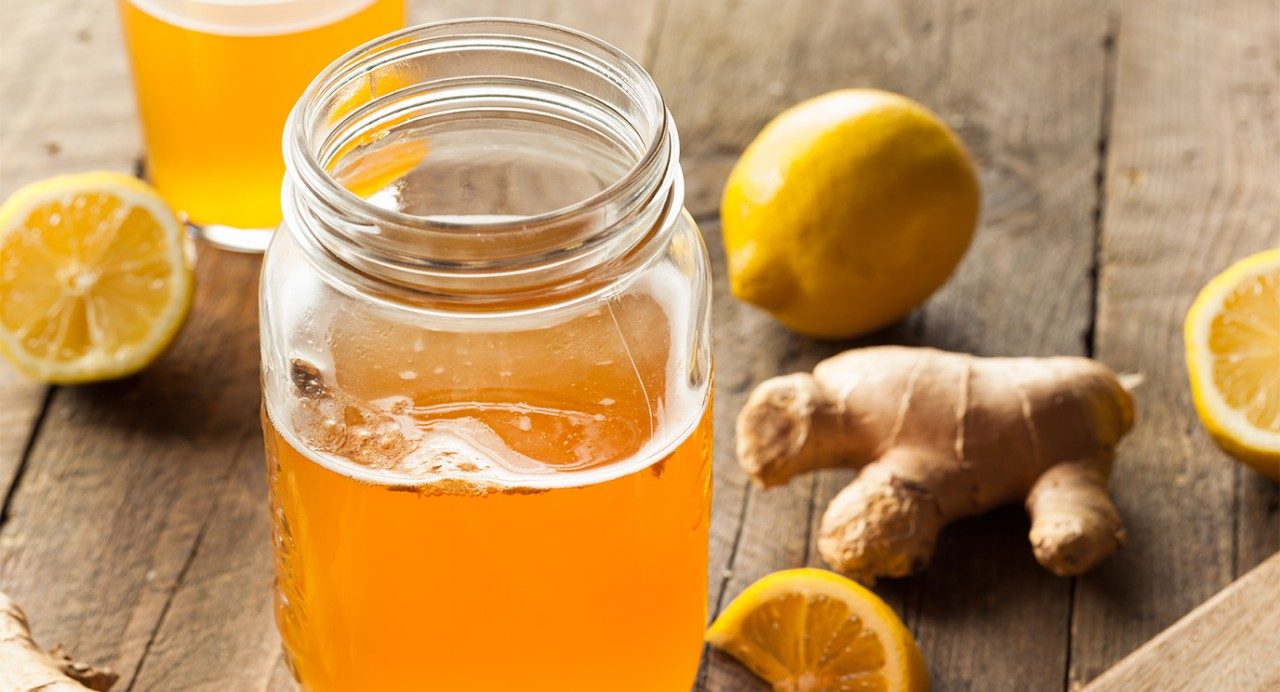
x=1129, y=151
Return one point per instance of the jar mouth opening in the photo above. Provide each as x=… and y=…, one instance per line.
x=310, y=124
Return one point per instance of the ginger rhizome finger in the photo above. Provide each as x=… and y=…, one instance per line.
x=24, y=666
x=938, y=436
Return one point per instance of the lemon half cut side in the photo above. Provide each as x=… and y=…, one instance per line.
x=1232, y=335
x=810, y=630
x=96, y=277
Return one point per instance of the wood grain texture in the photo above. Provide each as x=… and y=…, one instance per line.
x=627, y=25
x=23, y=402
x=1228, y=643
x=1258, y=519
x=66, y=108
x=137, y=535
x=125, y=476
x=65, y=84
x=219, y=631
x=987, y=615
x=1190, y=187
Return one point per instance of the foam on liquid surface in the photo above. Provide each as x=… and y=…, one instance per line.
x=250, y=17
x=531, y=399
x=593, y=398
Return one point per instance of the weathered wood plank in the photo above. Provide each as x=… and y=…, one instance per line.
x=68, y=108
x=986, y=614
x=24, y=401
x=1190, y=186
x=1258, y=524
x=1030, y=81
x=124, y=476
x=219, y=631
x=60, y=68
x=627, y=25
x=64, y=81
x=1228, y=643
x=116, y=499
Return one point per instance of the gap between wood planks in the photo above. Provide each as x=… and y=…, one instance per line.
x=139, y=169
x=936, y=42
x=20, y=470
x=1106, y=113
x=181, y=578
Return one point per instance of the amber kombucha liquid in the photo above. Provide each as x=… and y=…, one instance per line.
x=214, y=98
x=579, y=564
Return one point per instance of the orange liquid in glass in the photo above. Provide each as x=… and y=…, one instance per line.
x=446, y=585
x=213, y=105
x=598, y=587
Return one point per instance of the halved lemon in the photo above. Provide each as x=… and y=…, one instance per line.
x=810, y=630
x=95, y=277
x=1232, y=336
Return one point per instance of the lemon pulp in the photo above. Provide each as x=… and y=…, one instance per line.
x=1232, y=338
x=95, y=277
x=809, y=630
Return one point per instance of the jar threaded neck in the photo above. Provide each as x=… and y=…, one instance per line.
x=536, y=161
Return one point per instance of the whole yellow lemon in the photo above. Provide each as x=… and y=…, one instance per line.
x=847, y=211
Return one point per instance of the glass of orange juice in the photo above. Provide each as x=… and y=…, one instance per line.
x=486, y=372
x=215, y=80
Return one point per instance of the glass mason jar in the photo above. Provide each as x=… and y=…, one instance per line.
x=486, y=371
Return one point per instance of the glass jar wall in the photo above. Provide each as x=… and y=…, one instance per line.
x=486, y=371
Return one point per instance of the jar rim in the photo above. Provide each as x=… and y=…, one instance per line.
x=300, y=149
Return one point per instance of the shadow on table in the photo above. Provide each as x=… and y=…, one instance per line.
x=205, y=387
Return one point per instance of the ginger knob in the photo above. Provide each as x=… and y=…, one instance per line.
x=938, y=436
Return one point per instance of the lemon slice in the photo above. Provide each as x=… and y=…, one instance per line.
x=95, y=277
x=1232, y=338
x=810, y=630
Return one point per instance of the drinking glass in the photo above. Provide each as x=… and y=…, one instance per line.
x=215, y=80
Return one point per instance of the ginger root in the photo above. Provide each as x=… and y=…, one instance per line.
x=938, y=436
x=25, y=667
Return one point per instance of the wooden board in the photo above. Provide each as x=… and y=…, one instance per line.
x=986, y=614
x=123, y=479
x=1191, y=185
x=61, y=76
x=134, y=525
x=24, y=400
x=1229, y=643
x=627, y=25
